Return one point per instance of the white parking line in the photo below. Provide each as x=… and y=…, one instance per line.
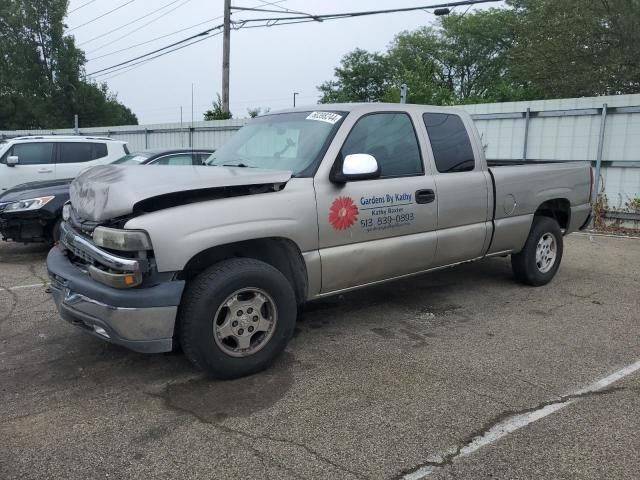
x=518, y=421
x=20, y=287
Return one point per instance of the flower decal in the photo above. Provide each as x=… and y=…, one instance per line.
x=343, y=213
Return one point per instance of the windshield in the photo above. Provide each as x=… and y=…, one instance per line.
x=286, y=141
x=132, y=159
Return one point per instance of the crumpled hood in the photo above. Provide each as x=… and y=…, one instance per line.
x=110, y=191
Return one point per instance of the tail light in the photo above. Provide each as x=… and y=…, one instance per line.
x=591, y=186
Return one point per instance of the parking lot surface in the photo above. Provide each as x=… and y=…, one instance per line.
x=389, y=382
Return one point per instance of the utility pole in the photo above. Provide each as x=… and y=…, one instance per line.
x=226, y=37
x=294, y=99
x=403, y=93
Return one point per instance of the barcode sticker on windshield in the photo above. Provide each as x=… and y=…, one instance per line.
x=328, y=117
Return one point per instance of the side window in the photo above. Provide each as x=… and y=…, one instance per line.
x=80, y=152
x=100, y=150
x=35, y=153
x=200, y=158
x=180, y=159
x=450, y=142
x=391, y=139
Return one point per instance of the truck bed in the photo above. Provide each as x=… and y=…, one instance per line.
x=521, y=187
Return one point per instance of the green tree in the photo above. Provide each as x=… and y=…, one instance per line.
x=42, y=82
x=361, y=77
x=463, y=59
x=577, y=48
x=217, y=112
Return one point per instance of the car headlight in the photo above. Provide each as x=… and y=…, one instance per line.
x=124, y=240
x=66, y=212
x=27, y=205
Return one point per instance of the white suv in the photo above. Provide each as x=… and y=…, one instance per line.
x=53, y=157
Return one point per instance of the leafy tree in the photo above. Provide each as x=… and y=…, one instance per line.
x=255, y=112
x=361, y=77
x=217, y=112
x=577, y=48
x=464, y=59
x=42, y=82
x=535, y=49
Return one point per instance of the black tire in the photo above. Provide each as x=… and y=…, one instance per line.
x=204, y=297
x=524, y=265
x=55, y=231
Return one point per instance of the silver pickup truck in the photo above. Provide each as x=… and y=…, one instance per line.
x=298, y=205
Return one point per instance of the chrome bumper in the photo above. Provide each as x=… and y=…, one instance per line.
x=83, y=248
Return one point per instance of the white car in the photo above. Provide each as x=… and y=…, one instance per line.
x=53, y=157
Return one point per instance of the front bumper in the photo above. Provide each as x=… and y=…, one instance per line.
x=25, y=228
x=141, y=319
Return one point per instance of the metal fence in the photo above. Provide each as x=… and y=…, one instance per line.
x=205, y=134
x=602, y=130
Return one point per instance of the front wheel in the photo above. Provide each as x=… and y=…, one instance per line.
x=540, y=258
x=237, y=317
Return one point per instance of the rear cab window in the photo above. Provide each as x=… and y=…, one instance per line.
x=450, y=143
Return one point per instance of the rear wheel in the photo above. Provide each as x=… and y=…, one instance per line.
x=540, y=258
x=237, y=317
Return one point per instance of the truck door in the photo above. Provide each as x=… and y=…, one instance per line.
x=464, y=216
x=372, y=230
x=35, y=164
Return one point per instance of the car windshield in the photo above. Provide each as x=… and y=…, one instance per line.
x=135, y=158
x=286, y=141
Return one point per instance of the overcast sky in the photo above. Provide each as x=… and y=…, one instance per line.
x=267, y=64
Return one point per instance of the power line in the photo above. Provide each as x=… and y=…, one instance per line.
x=101, y=16
x=206, y=32
x=129, y=23
x=159, y=37
x=153, y=20
x=273, y=21
x=151, y=40
x=180, y=47
x=81, y=6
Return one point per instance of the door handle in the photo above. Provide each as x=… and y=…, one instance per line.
x=45, y=170
x=425, y=196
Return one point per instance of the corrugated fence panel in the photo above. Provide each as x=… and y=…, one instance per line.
x=569, y=129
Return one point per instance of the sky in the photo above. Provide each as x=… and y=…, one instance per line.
x=267, y=64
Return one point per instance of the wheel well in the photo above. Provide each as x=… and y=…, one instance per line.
x=281, y=253
x=559, y=209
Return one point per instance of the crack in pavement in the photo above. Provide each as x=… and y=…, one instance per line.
x=32, y=271
x=474, y=441
x=14, y=304
x=176, y=408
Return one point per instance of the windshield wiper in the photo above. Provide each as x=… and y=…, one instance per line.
x=241, y=165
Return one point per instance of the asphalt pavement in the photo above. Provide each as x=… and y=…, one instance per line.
x=397, y=381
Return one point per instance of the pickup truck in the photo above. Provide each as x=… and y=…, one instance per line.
x=298, y=205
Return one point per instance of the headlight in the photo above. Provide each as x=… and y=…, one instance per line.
x=29, y=204
x=124, y=240
x=66, y=212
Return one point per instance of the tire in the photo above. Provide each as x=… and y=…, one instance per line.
x=537, y=270
x=55, y=232
x=219, y=310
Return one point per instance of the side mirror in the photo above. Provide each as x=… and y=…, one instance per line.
x=12, y=161
x=357, y=166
